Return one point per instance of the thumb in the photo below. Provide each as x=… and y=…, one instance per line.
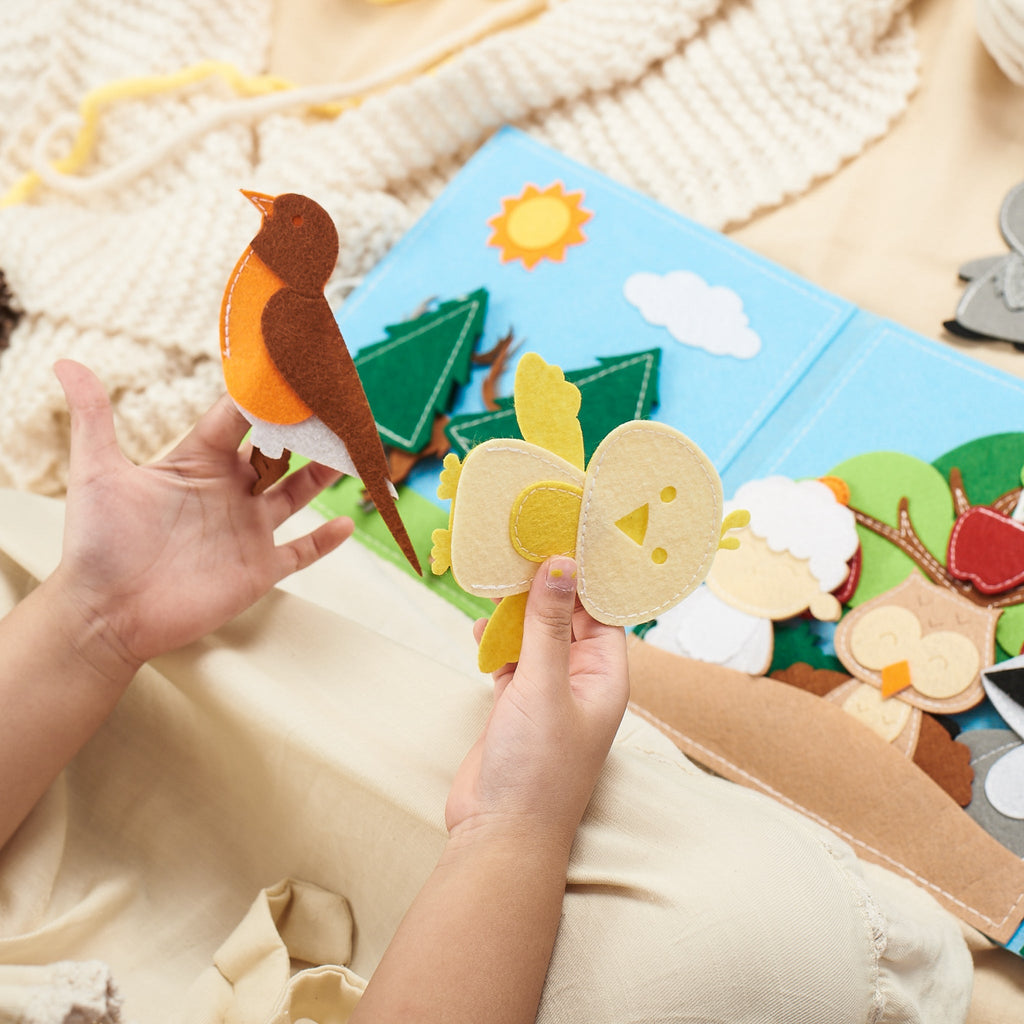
x=93, y=441
x=547, y=627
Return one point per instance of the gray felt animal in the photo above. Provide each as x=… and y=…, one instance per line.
x=992, y=305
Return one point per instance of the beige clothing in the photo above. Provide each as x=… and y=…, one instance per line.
x=301, y=744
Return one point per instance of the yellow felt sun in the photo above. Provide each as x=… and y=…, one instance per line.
x=539, y=224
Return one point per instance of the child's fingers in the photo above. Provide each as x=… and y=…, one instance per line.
x=304, y=551
x=601, y=662
x=586, y=627
x=298, y=490
x=93, y=441
x=219, y=430
x=547, y=628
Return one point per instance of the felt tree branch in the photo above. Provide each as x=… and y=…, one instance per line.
x=1007, y=502
x=906, y=538
x=497, y=359
x=961, y=503
x=985, y=556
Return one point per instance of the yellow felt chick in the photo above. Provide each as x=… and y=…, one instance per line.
x=643, y=521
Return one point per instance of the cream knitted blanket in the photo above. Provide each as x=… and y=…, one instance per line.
x=717, y=109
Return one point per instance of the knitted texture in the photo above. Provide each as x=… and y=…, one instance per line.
x=65, y=992
x=717, y=108
x=1001, y=29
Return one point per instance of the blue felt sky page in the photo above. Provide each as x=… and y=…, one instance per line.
x=880, y=387
x=581, y=267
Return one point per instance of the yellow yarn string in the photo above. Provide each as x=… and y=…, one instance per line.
x=93, y=103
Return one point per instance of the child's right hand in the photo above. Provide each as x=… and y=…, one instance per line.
x=555, y=714
x=476, y=942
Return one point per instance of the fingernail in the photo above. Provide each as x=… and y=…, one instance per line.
x=561, y=575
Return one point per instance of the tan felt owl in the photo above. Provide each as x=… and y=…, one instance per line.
x=643, y=520
x=916, y=647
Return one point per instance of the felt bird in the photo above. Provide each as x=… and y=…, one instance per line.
x=286, y=364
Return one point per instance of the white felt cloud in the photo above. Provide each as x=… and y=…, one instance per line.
x=694, y=312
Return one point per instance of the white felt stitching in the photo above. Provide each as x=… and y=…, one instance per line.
x=997, y=752
x=814, y=816
x=820, y=410
x=456, y=431
x=228, y=296
x=589, y=378
x=934, y=349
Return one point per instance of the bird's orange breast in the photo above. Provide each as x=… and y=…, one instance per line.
x=250, y=374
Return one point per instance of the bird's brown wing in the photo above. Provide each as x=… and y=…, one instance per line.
x=304, y=342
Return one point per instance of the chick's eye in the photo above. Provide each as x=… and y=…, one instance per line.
x=297, y=220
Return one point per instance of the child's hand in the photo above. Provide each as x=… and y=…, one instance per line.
x=157, y=556
x=554, y=718
x=476, y=942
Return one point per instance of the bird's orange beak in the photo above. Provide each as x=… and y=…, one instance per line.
x=262, y=202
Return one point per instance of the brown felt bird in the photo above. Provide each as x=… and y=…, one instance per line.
x=286, y=365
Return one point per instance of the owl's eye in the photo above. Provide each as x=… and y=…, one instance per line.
x=297, y=220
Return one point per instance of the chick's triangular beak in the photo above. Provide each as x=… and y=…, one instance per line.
x=262, y=202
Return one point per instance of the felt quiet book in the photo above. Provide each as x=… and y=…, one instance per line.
x=750, y=471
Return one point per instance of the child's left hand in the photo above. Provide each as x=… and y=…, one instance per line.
x=157, y=556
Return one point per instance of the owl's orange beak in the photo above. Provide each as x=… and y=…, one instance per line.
x=262, y=202
x=895, y=677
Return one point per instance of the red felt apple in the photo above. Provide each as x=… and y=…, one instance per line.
x=986, y=548
x=848, y=587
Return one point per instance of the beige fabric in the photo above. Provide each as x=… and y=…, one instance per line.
x=296, y=744
x=290, y=921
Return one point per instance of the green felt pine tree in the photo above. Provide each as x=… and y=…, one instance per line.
x=797, y=640
x=410, y=376
x=618, y=389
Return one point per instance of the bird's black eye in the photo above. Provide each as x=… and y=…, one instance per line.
x=297, y=220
